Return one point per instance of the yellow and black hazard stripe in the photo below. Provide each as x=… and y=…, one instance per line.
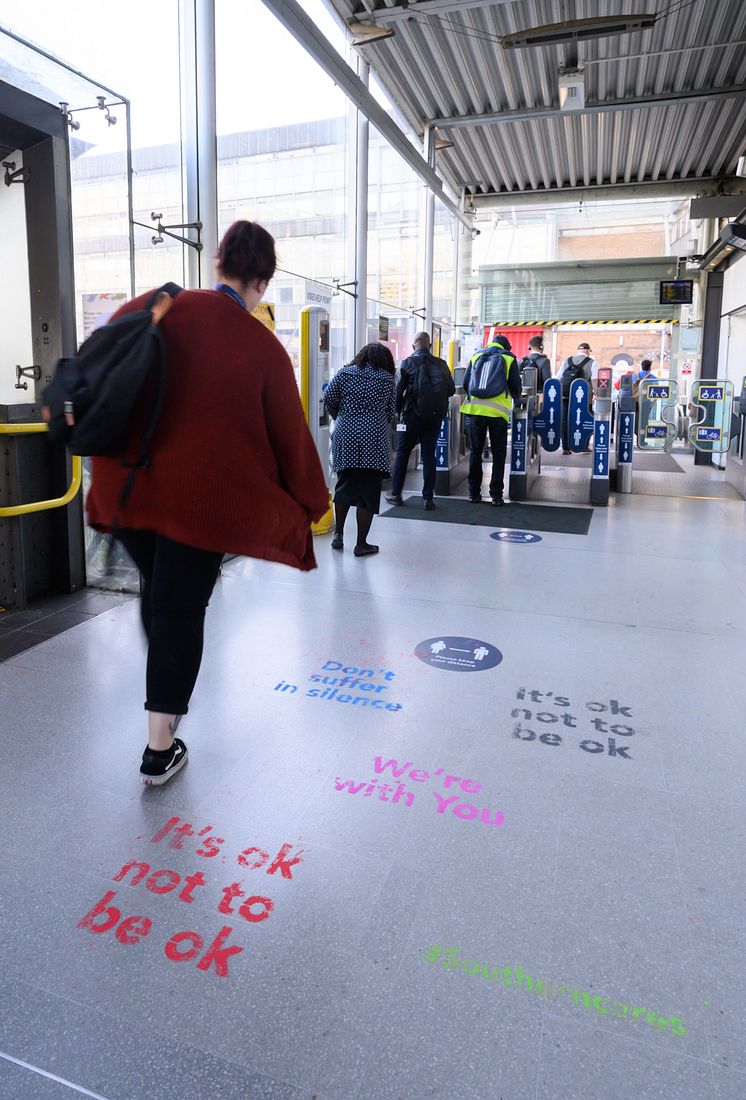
x=586, y=324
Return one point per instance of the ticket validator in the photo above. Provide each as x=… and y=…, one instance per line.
x=525, y=457
x=315, y=373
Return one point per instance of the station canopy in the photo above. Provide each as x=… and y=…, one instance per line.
x=550, y=95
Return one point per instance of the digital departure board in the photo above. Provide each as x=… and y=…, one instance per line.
x=676, y=292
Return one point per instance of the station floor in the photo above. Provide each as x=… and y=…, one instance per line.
x=510, y=868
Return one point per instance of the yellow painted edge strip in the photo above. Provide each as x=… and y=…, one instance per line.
x=305, y=357
x=22, y=429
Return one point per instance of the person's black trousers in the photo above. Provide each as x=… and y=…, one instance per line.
x=177, y=582
x=479, y=428
x=424, y=432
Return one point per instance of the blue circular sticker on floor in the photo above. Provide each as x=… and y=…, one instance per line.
x=515, y=536
x=458, y=654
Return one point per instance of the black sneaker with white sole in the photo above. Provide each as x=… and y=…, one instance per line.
x=158, y=767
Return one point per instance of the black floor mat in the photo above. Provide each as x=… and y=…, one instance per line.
x=517, y=516
x=646, y=462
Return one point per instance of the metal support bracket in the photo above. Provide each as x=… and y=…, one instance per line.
x=341, y=288
x=15, y=175
x=162, y=231
x=26, y=372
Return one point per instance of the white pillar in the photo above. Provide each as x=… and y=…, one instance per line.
x=198, y=101
x=428, y=153
x=361, y=226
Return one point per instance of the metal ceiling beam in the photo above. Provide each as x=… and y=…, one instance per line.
x=305, y=31
x=493, y=118
x=398, y=12
x=654, y=189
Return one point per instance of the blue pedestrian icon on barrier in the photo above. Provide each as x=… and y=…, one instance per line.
x=601, y=449
x=518, y=449
x=626, y=438
x=579, y=419
x=548, y=425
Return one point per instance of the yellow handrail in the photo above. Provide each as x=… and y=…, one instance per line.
x=42, y=505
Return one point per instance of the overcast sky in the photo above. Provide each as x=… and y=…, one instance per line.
x=264, y=77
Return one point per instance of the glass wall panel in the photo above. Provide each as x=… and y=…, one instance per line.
x=395, y=213
x=282, y=160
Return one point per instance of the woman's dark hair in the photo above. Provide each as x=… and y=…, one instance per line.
x=247, y=252
x=377, y=356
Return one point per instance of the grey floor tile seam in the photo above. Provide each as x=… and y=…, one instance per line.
x=166, y=1033
x=551, y=941
x=421, y=601
x=692, y=951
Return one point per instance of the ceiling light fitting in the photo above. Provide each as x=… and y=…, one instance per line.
x=365, y=34
x=731, y=239
x=574, y=29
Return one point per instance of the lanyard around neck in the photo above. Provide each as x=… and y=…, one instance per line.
x=232, y=293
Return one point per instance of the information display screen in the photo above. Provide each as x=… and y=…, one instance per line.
x=676, y=292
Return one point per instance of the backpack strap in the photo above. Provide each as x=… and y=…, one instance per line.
x=172, y=289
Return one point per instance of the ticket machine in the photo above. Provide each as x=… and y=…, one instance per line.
x=315, y=374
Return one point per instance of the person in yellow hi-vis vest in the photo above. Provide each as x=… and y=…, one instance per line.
x=491, y=383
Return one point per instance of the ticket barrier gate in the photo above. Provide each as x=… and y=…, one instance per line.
x=525, y=452
x=601, y=438
x=449, y=448
x=625, y=444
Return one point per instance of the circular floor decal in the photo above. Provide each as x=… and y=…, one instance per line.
x=458, y=654
x=515, y=536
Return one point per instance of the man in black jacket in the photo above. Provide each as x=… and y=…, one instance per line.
x=422, y=393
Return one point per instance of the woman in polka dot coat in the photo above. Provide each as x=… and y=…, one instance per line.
x=361, y=400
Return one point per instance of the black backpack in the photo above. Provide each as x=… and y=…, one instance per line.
x=489, y=375
x=543, y=369
x=430, y=386
x=571, y=372
x=100, y=386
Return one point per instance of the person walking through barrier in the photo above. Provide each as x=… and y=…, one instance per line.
x=491, y=383
x=233, y=469
x=422, y=395
x=575, y=366
x=360, y=399
x=537, y=358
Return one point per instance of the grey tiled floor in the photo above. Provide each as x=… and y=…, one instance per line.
x=616, y=878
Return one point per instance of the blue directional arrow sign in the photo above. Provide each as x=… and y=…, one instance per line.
x=601, y=449
x=626, y=439
x=579, y=419
x=548, y=425
x=441, y=446
x=518, y=449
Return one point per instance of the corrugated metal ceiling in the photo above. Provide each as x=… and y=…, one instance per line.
x=450, y=65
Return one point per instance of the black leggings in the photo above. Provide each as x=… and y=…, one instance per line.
x=177, y=582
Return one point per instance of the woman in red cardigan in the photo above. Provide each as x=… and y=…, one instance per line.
x=233, y=469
